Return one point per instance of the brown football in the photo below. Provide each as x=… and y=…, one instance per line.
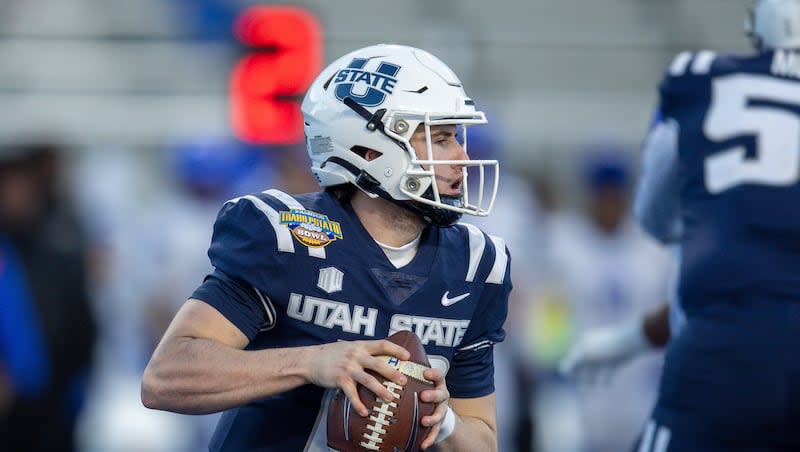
x=392, y=427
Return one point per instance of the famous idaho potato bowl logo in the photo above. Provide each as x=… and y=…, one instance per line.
x=311, y=228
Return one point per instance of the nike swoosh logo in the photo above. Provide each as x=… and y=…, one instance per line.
x=413, y=439
x=447, y=301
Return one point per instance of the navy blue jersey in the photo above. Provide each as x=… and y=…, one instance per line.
x=738, y=144
x=296, y=271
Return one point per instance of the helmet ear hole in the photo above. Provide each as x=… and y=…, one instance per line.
x=366, y=153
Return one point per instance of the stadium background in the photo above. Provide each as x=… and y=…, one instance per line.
x=136, y=98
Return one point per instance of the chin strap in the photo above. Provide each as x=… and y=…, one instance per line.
x=373, y=119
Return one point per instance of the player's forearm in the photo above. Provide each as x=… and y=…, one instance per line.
x=470, y=434
x=197, y=376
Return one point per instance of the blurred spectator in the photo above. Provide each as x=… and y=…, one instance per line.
x=603, y=270
x=116, y=194
x=47, y=330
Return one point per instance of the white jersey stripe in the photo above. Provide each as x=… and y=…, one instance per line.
x=702, y=62
x=678, y=66
x=295, y=204
x=662, y=439
x=283, y=236
x=647, y=438
x=498, y=273
x=477, y=345
x=477, y=242
x=269, y=310
x=285, y=198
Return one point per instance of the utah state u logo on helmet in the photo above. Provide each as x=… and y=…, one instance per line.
x=372, y=86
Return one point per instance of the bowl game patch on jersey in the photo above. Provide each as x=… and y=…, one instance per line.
x=311, y=228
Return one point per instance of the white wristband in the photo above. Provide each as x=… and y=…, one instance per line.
x=447, y=427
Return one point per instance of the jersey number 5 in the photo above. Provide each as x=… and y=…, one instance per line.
x=760, y=106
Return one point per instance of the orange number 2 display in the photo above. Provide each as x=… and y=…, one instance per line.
x=267, y=84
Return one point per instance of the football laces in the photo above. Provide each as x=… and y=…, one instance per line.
x=382, y=416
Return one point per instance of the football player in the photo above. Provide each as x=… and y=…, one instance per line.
x=306, y=287
x=720, y=182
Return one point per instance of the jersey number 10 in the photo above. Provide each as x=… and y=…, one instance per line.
x=776, y=129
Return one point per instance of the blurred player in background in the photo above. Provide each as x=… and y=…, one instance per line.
x=47, y=330
x=305, y=287
x=607, y=270
x=721, y=172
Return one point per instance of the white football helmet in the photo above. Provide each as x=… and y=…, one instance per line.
x=774, y=24
x=375, y=98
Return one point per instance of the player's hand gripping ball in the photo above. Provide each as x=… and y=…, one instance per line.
x=389, y=427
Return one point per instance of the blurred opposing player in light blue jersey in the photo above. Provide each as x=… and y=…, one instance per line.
x=720, y=182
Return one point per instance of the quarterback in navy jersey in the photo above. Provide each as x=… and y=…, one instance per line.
x=721, y=168
x=306, y=288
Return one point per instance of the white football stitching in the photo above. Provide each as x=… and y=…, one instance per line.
x=382, y=419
